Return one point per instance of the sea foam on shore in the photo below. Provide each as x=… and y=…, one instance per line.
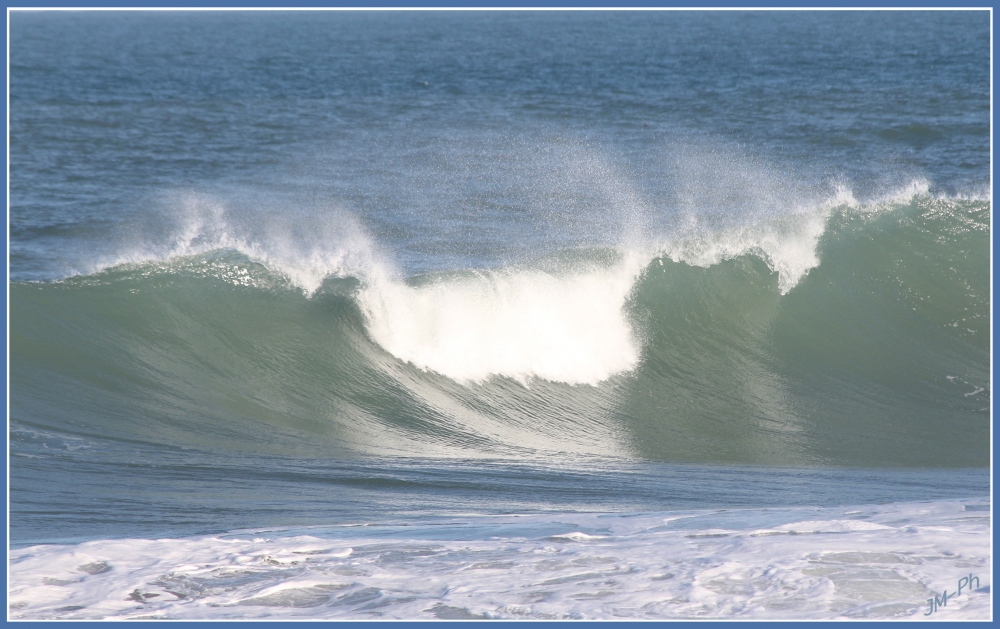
x=884, y=561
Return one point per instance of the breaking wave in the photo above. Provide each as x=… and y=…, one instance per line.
x=842, y=333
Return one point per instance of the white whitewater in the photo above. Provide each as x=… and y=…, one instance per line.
x=874, y=562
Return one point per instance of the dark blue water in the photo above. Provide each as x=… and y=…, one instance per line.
x=491, y=123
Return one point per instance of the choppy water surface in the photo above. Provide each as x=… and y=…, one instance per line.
x=299, y=271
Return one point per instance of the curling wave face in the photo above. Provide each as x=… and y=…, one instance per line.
x=844, y=334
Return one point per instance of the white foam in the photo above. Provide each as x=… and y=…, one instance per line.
x=788, y=239
x=915, y=188
x=869, y=562
x=787, y=243
x=306, y=249
x=521, y=324
x=577, y=536
x=817, y=527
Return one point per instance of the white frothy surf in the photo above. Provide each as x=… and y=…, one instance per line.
x=516, y=323
x=787, y=244
x=870, y=562
x=305, y=248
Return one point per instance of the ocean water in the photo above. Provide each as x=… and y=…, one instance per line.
x=649, y=315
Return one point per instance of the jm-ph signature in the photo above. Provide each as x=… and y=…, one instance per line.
x=938, y=602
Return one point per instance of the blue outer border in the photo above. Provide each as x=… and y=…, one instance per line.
x=498, y=4
x=503, y=4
